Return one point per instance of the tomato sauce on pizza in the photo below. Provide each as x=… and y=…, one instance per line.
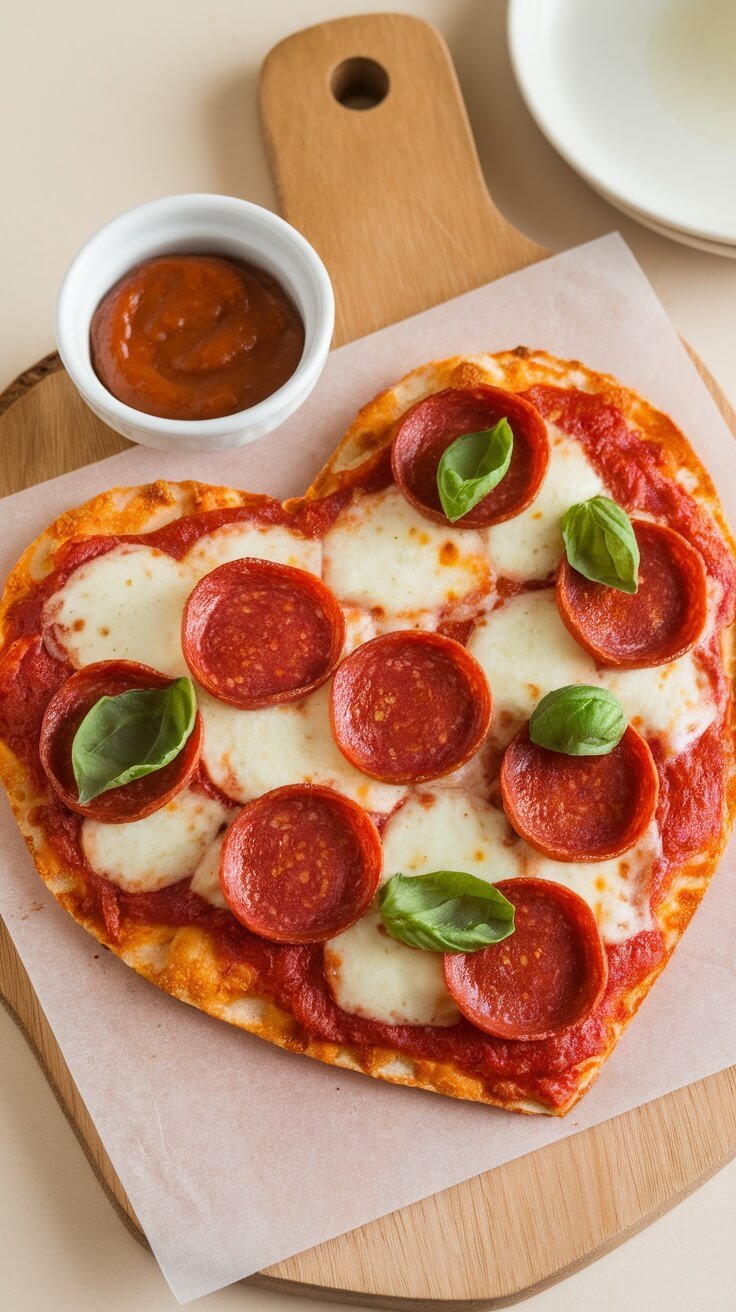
x=390, y=660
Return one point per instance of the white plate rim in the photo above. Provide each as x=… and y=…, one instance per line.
x=518, y=28
x=727, y=250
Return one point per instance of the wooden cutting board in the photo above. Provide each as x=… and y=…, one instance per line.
x=374, y=161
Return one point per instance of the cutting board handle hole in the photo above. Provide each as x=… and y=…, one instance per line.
x=359, y=83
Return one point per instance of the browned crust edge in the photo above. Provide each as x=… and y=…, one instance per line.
x=186, y=962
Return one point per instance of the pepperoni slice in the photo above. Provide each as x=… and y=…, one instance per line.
x=432, y=425
x=62, y=718
x=255, y=633
x=547, y=976
x=409, y=706
x=652, y=626
x=579, y=808
x=300, y=864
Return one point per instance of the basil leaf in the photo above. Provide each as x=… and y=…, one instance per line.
x=133, y=734
x=472, y=466
x=579, y=721
x=600, y=543
x=446, y=911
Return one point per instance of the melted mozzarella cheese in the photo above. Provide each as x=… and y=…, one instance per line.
x=145, y=855
x=617, y=891
x=125, y=605
x=450, y=830
x=251, y=752
x=382, y=554
x=530, y=545
x=360, y=627
x=526, y=652
x=206, y=878
x=373, y=975
x=264, y=541
x=673, y=702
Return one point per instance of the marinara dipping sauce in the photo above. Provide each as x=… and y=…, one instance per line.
x=195, y=337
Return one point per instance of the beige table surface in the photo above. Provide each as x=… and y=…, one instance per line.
x=105, y=105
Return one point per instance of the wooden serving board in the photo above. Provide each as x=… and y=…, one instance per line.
x=375, y=163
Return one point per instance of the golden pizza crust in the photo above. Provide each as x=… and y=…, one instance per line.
x=187, y=962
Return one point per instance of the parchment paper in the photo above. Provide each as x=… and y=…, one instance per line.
x=233, y=1153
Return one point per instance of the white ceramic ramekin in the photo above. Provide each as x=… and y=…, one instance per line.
x=205, y=224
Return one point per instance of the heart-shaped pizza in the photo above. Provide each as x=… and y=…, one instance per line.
x=422, y=774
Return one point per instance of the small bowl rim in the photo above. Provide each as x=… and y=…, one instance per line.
x=292, y=392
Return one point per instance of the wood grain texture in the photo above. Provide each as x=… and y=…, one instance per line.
x=393, y=199
x=47, y=429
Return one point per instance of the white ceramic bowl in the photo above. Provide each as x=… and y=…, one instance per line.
x=205, y=224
